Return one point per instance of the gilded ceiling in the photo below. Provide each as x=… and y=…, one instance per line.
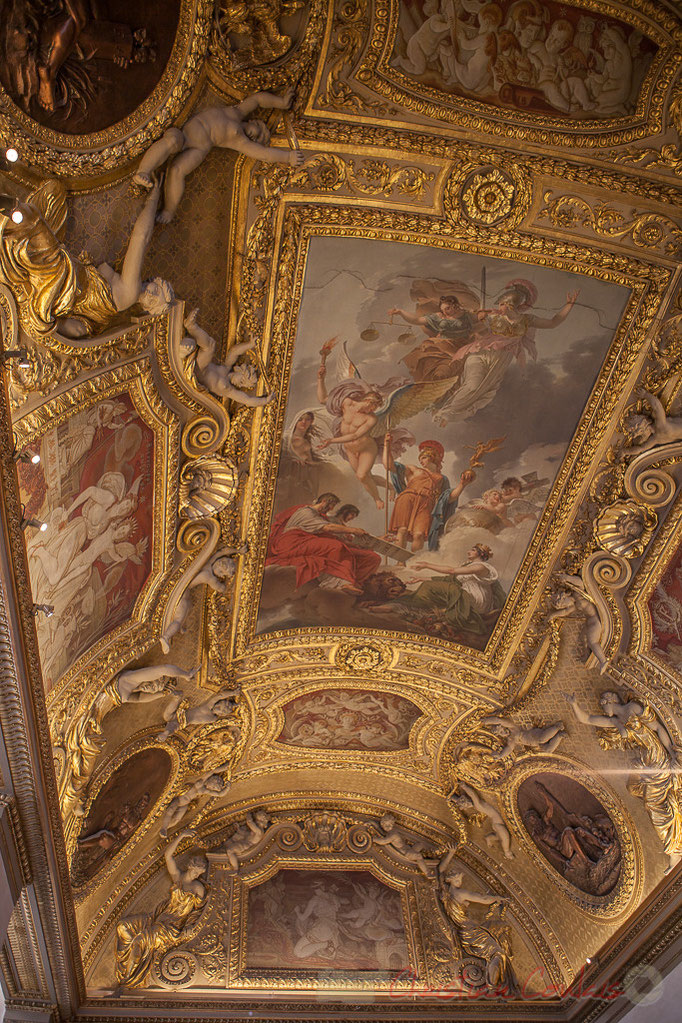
x=341, y=462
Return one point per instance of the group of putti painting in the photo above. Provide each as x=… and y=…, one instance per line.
x=78, y=300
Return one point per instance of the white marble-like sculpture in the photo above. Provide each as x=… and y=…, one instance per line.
x=216, y=574
x=544, y=738
x=575, y=599
x=225, y=380
x=396, y=843
x=247, y=836
x=225, y=127
x=210, y=783
x=178, y=714
x=664, y=429
x=469, y=799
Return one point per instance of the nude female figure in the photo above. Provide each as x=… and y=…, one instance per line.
x=358, y=419
x=225, y=127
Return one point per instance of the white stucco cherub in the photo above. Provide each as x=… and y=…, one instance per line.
x=663, y=429
x=227, y=127
x=216, y=575
x=225, y=380
x=178, y=714
x=574, y=598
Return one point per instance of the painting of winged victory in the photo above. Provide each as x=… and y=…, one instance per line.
x=432, y=399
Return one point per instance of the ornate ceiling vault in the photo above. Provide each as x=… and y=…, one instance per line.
x=340, y=455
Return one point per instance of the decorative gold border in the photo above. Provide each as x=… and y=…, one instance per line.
x=97, y=783
x=240, y=976
x=374, y=72
x=135, y=379
x=628, y=889
x=105, y=152
x=298, y=223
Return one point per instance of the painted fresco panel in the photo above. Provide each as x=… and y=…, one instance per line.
x=572, y=831
x=331, y=920
x=345, y=719
x=77, y=67
x=121, y=806
x=665, y=608
x=437, y=427
x=537, y=57
x=93, y=488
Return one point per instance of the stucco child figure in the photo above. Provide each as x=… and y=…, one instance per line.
x=225, y=380
x=225, y=127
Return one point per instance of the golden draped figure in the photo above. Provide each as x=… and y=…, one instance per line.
x=659, y=785
x=476, y=939
x=141, y=938
x=49, y=284
x=633, y=725
x=82, y=743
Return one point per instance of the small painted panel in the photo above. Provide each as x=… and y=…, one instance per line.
x=572, y=831
x=77, y=67
x=121, y=806
x=535, y=56
x=331, y=920
x=433, y=396
x=665, y=608
x=93, y=490
x=348, y=719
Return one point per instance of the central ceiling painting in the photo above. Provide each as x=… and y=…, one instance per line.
x=433, y=397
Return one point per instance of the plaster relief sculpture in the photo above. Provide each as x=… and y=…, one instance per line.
x=651, y=431
x=469, y=799
x=211, y=783
x=224, y=380
x=57, y=291
x=142, y=938
x=396, y=844
x=489, y=941
x=633, y=726
x=178, y=714
x=246, y=838
x=216, y=574
x=256, y=26
x=572, y=599
x=225, y=127
x=572, y=831
x=542, y=738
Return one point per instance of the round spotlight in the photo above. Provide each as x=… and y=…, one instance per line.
x=43, y=527
x=35, y=459
x=12, y=155
x=17, y=216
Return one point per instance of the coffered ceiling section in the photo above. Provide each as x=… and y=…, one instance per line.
x=343, y=465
